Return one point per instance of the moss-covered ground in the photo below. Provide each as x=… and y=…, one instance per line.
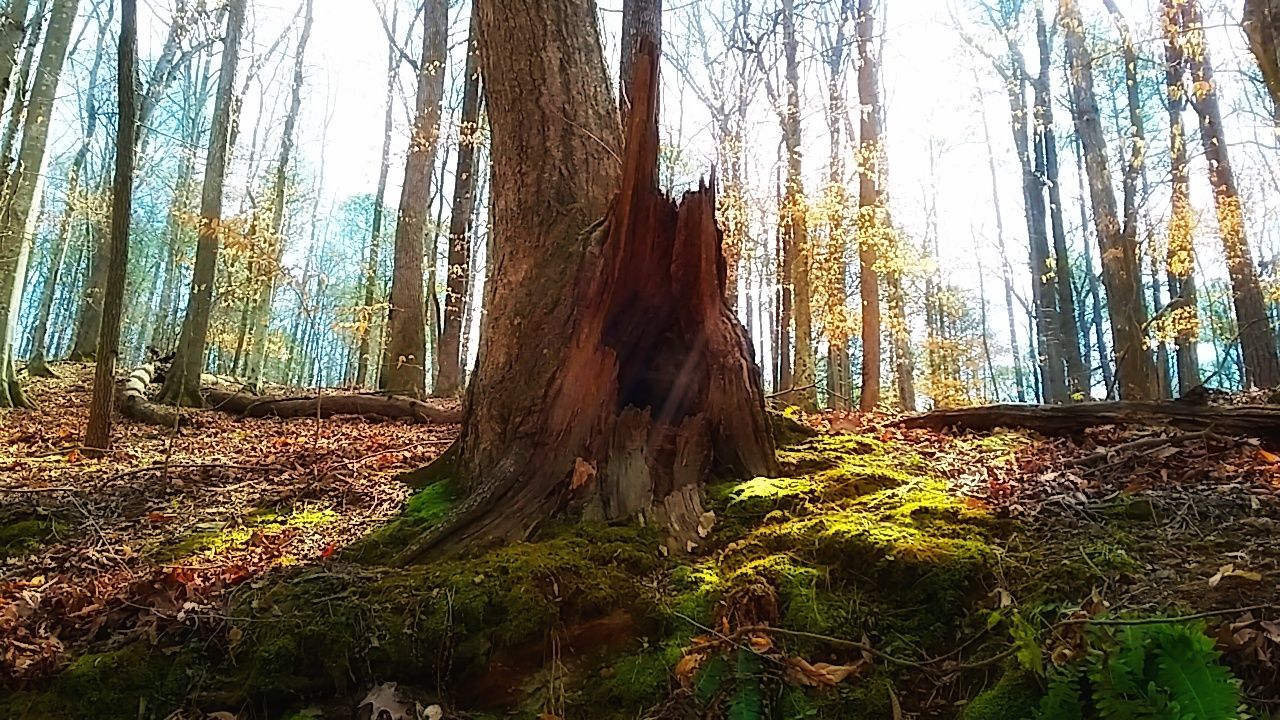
x=867, y=552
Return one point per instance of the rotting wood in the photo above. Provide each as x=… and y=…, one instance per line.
x=1249, y=420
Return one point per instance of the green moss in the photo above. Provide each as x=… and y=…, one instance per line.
x=327, y=630
x=126, y=684
x=422, y=511
x=25, y=536
x=1014, y=697
x=627, y=686
x=227, y=537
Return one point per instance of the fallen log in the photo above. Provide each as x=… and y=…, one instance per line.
x=390, y=407
x=1251, y=420
x=135, y=405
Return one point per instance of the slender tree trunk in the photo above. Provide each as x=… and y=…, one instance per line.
x=839, y=385
x=1181, y=260
x=98, y=433
x=267, y=291
x=899, y=333
x=371, y=284
x=1020, y=382
x=1257, y=336
x=872, y=215
x=449, y=358
x=404, y=366
x=1068, y=331
x=19, y=92
x=19, y=212
x=1135, y=371
x=795, y=222
x=182, y=385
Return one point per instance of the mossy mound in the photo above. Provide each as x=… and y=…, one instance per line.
x=22, y=535
x=330, y=630
x=222, y=537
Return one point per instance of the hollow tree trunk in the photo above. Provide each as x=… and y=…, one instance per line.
x=637, y=379
x=449, y=358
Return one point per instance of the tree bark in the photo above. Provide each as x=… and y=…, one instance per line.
x=641, y=21
x=182, y=385
x=1135, y=371
x=1181, y=260
x=98, y=433
x=267, y=290
x=803, y=391
x=18, y=213
x=405, y=363
x=872, y=223
x=636, y=379
x=13, y=29
x=1068, y=330
x=365, y=351
x=1262, y=26
x=1257, y=336
x=449, y=359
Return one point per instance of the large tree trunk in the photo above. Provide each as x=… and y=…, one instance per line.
x=98, y=433
x=872, y=221
x=1135, y=371
x=1262, y=25
x=182, y=385
x=267, y=290
x=404, y=367
x=449, y=357
x=14, y=225
x=1257, y=337
x=636, y=379
x=641, y=21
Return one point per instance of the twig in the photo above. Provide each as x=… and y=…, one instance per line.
x=1141, y=447
x=1162, y=620
x=56, y=488
x=169, y=466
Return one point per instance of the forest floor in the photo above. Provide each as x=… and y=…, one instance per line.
x=233, y=568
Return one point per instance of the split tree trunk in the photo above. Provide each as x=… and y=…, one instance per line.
x=636, y=380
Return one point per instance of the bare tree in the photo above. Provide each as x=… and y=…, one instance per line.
x=98, y=433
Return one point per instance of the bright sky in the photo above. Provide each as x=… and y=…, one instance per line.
x=929, y=82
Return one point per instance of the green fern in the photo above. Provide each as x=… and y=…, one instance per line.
x=1144, y=672
x=747, y=701
x=1188, y=666
x=1063, y=700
